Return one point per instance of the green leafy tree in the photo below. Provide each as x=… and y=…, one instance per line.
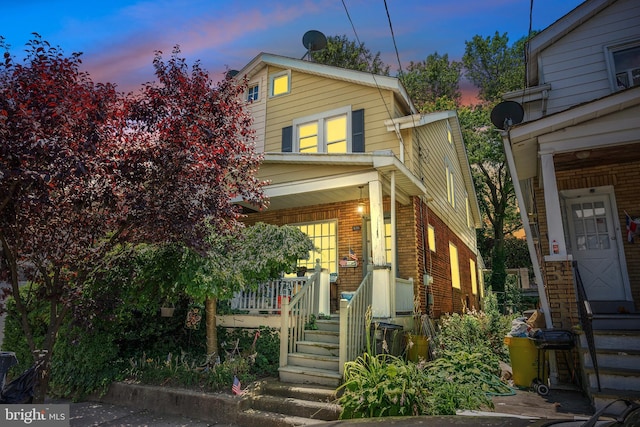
x=433, y=82
x=240, y=260
x=494, y=188
x=345, y=53
x=493, y=66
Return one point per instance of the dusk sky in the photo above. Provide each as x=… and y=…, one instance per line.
x=118, y=37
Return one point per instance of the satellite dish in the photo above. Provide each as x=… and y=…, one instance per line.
x=231, y=74
x=506, y=114
x=314, y=40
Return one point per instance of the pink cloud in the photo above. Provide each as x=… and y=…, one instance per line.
x=128, y=61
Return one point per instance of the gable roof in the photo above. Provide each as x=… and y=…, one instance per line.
x=451, y=117
x=558, y=30
x=263, y=60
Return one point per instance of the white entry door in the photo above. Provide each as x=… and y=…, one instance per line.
x=594, y=243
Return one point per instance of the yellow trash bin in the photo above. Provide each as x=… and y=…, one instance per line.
x=524, y=361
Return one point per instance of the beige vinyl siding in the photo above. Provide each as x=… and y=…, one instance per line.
x=311, y=94
x=430, y=168
x=576, y=66
x=279, y=173
x=258, y=109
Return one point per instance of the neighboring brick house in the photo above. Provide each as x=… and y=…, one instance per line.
x=352, y=163
x=576, y=166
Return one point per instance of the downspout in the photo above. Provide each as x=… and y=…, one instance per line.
x=506, y=140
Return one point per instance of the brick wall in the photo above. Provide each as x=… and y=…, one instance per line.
x=410, y=249
x=625, y=179
x=446, y=299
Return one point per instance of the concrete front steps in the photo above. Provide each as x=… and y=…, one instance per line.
x=316, y=357
x=298, y=404
x=267, y=403
x=618, y=358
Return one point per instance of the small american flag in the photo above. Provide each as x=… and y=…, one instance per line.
x=632, y=228
x=353, y=255
x=236, y=388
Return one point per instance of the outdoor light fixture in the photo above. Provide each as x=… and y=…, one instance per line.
x=583, y=154
x=360, y=202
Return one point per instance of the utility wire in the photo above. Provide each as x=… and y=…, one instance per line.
x=393, y=38
x=371, y=71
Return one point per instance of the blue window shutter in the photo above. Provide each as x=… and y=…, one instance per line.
x=287, y=139
x=357, y=128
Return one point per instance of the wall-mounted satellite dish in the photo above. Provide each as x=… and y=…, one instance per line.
x=231, y=74
x=313, y=41
x=507, y=114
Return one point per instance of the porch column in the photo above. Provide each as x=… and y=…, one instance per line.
x=394, y=257
x=381, y=298
x=552, y=203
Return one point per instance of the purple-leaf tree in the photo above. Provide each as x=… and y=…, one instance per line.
x=85, y=169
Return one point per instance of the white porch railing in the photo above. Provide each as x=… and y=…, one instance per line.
x=296, y=314
x=269, y=296
x=353, y=327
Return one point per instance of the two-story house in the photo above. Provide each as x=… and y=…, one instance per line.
x=575, y=160
x=385, y=193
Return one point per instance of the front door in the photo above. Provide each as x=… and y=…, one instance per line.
x=594, y=244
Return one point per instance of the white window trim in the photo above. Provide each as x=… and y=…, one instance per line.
x=320, y=118
x=468, y=211
x=276, y=75
x=251, y=86
x=609, y=50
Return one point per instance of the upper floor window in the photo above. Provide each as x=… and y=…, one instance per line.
x=280, y=83
x=449, y=134
x=626, y=65
x=336, y=131
x=451, y=194
x=324, y=133
x=252, y=93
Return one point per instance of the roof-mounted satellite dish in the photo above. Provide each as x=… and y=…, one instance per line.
x=507, y=114
x=313, y=41
x=231, y=74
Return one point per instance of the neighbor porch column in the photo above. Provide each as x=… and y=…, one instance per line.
x=552, y=204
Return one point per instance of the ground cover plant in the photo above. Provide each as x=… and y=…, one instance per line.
x=464, y=373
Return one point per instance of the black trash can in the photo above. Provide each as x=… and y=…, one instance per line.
x=7, y=360
x=389, y=332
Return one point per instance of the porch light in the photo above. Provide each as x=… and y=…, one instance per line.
x=583, y=154
x=360, y=202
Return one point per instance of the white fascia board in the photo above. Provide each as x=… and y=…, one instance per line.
x=576, y=115
x=417, y=120
x=320, y=184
